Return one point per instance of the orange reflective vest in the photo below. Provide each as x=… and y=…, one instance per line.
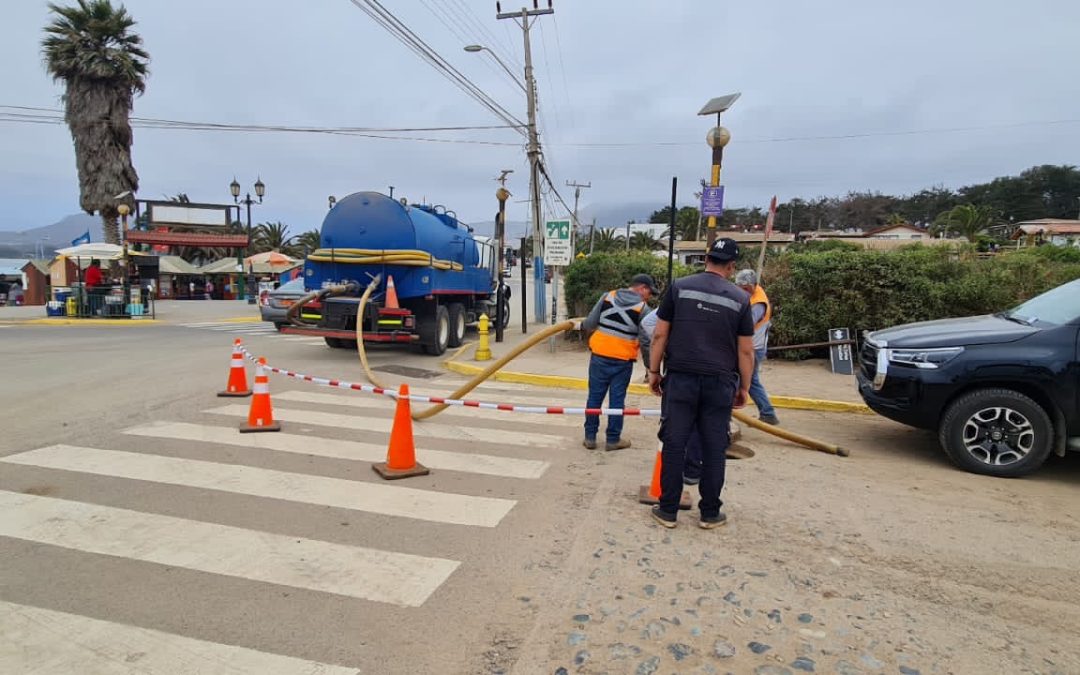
x=616, y=336
x=761, y=328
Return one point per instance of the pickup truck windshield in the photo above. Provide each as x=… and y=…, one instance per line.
x=1057, y=306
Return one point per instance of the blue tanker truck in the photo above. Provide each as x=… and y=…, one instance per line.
x=443, y=275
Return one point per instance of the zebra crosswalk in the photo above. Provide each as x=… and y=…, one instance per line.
x=261, y=329
x=210, y=457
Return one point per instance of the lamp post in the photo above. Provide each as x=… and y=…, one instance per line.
x=533, y=152
x=260, y=191
x=717, y=138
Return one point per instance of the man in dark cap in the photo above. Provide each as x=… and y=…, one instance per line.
x=704, y=339
x=615, y=324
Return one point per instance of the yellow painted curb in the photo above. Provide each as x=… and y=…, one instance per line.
x=243, y=319
x=563, y=382
x=88, y=322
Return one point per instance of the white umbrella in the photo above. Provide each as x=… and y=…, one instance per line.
x=99, y=250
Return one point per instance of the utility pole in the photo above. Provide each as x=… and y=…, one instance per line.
x=524, y=20
x=592, y=234
x=577, y=195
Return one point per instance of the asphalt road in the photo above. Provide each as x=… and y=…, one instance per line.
x=141, y=532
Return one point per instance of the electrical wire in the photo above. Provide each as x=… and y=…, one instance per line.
x=389, y=22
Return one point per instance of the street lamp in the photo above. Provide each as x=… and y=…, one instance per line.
x=260, y=191
x=475, y=49
x=717, y=138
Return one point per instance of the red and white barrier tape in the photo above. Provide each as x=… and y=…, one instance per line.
x=421, y=398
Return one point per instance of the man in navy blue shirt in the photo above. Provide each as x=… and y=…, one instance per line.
x=704, y=339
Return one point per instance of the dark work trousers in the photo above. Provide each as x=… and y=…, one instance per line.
x=693, y=455
x=703, y=401
x=607, y=377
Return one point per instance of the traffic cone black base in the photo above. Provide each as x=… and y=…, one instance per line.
x=248, y=429
x=393, y=474
x=685, y=502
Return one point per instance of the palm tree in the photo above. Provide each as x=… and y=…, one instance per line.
x=644, y=241
x=305, y=243
x=92, y=49
x=608, y=241
x=967, y=220
x=270, y=237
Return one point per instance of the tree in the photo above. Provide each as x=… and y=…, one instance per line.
x=967, y=220
x=91, y=48
x=305, y=243
x=644, y=241
x=270, y=237
x=607, y=240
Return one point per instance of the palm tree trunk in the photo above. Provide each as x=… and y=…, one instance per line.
x=110, y=228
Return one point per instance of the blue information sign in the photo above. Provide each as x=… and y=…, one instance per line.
x=712, y=201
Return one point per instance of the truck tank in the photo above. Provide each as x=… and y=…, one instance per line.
x=366, y=222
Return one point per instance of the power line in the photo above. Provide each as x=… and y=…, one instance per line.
x=837, y=137
x=29, y=118
x=562, y=67
x=389, y=22
x=496, y=43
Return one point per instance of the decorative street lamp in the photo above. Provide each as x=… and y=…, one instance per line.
x=717, y=138
x=260, y=191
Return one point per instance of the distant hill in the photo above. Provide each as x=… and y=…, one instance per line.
x=57, y=235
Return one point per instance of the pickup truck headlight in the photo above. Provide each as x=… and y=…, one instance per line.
x=925, y=358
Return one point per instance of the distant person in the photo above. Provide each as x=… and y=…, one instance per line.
x=761, y=310
x=615, y=324
x=191, y=290
x=209, y=290
x=15, y=294
x=93, y=278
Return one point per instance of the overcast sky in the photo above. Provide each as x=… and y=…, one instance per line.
x=631, y=71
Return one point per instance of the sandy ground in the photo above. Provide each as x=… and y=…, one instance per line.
x=888, y=561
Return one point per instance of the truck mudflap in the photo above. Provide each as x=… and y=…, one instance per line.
x=349, y=335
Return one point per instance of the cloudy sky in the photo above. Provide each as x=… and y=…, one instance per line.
x=634, y=72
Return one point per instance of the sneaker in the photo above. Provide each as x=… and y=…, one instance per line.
x=710, y=522
x=618, y=445
x=589, y=443
x=769, y=419
x=661, y=517
x=690, y=480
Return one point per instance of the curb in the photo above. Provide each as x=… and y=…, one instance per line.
x=581, y=384
x=243, y=319
x=85, y=322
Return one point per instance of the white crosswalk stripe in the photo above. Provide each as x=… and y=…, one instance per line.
x=490, y=465
x=394, y=578
x=46, y=642
x=391, y=500
x=384, y=425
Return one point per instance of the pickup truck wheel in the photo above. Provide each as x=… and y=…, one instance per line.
x=456, y=313
x=334, y=343
x=435, y=331
x=997, y=432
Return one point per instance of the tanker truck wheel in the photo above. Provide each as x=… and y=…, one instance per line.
x=506, y=313
x=456, y=311
x=434, y=331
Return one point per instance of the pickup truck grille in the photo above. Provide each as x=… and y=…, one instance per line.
x=868, y=359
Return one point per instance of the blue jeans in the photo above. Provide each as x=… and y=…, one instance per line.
x=757, y=392
x=695, y=405
x=607, y=377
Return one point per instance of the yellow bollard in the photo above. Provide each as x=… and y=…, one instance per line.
x=483, y=350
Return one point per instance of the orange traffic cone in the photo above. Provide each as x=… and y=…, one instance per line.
x=237, y=384
x=401, y=455
x=261, y=415
x=650, y=494
x=391, y=301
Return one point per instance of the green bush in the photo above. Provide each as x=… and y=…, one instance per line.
x=868, y=290
x=590, y=277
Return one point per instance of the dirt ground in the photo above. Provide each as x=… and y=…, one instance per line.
x=888, y=561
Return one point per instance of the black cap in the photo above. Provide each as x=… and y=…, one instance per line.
x=724, y=249
x=645, y=280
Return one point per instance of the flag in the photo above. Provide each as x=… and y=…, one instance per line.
x=771, y=218
x=84, y=239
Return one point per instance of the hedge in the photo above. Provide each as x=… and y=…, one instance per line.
x=816, y=288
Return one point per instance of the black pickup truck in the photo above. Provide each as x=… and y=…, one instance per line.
x=1001, y=390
